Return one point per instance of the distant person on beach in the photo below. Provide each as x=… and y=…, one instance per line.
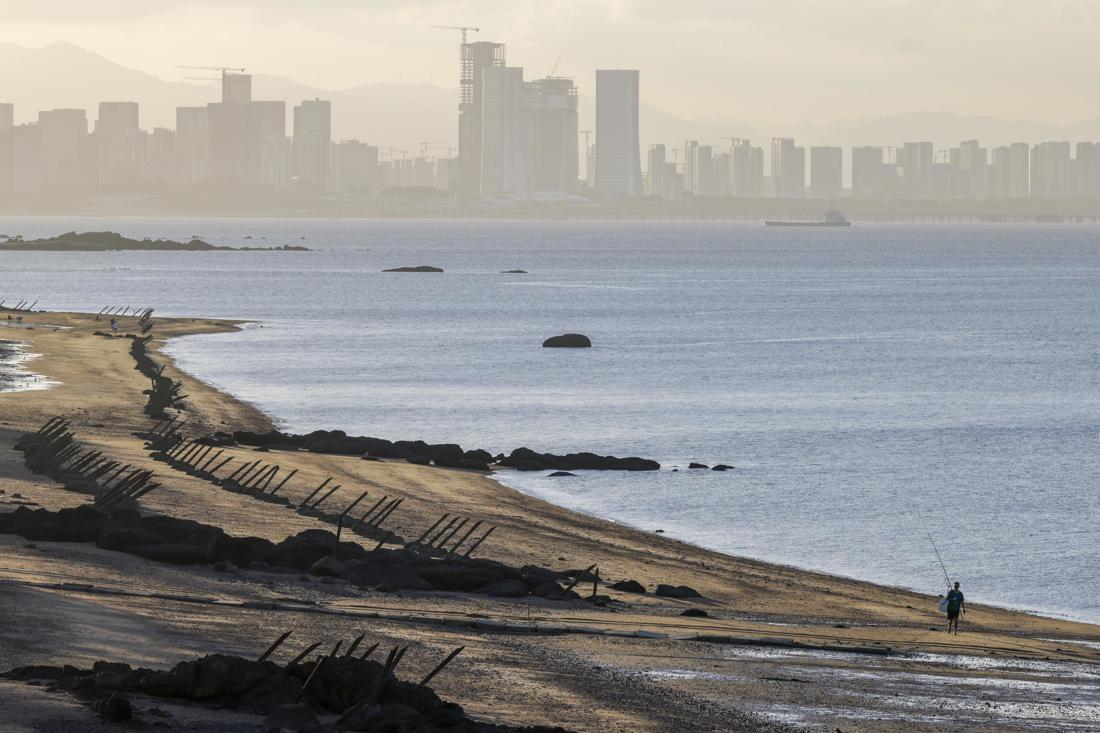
x=955, y=605
x=114, y=325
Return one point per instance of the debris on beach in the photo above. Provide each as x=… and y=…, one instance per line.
x=326, y=692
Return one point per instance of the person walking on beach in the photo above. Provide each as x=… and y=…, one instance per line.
x=955, y=606
x=114, y=325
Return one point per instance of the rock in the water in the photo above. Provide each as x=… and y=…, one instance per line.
x=513, y=272
x=628, y=586
x=698, y=465
x=722, y=467
x=560, y=473
x=418, y=268
x=568, y=341
x=677, y=591
x=695, y=613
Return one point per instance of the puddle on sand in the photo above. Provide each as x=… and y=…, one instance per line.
x=925, y=691
x=13, y=376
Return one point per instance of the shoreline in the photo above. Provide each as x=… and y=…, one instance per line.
x=583, y=682
x=500, y=476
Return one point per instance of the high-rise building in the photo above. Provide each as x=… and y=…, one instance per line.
x=357, y=165
x=618, y=152
x=192, y=144
x=504, y=146
x=1086, y=169
x=970, y=174
x=7, y=151
x=1050, y=169
x=656, y=179
x=826, y=172
x=915, y=161
x=236, y=88
x=60, y=135
x=747, y=170
x=866, y=171
x=121, y=141
x=550, y=108
x=788, y=169
x=475, y=59
x=698, y=169
x=310, y=145
x=1008, y=171
x=722, y=165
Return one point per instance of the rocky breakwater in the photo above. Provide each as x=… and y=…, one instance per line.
x=447, y=455
x=525, y=459
x=316, y=552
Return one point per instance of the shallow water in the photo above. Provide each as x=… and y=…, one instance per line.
x=866, y=383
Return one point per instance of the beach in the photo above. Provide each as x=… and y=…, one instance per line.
x=778, y=647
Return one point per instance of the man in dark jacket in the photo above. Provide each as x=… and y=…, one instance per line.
x=955, y=606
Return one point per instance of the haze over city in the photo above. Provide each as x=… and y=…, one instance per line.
x=778, y=62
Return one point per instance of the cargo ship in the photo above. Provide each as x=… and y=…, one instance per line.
x=832, y=218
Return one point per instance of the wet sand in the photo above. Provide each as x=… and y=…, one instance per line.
x=583, y=679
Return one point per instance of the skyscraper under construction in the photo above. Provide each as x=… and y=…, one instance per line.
x=475, y=58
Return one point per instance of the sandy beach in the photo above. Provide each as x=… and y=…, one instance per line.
x=779, y=648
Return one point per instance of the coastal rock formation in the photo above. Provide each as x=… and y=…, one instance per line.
x=115, y=242
x=417, y=268
x=568, y=341
x=525, y=459
x=698, y=465
x=447, y=455
x=513, y=272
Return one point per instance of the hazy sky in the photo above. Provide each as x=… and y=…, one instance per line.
x=777, y=60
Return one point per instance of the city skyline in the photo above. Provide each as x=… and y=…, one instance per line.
x=780, y=62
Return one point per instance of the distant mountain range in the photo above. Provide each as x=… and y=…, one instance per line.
x=404, y=115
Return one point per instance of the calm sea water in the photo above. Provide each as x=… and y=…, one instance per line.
x=866, y=383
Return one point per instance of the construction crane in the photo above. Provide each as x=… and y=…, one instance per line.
x=425, y=144
x=222, y=70
x=463, y=28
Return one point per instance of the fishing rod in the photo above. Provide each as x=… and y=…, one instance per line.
x=937, y=551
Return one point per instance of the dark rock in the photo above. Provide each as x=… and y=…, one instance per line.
x=420, y=460
x=550, y=589
x=298, y=717
x=417, y=268
x=695, y=613
x=568, y=341
x=115, y=707
x=123, y=539
x=556, y=474
x=459, y=578
x=599, y=600
x=513, y=272
x=677, y=591
x=525, y=459
x=698, y=465
x=628, y=586
x=174, y=553
x=391, y=578
x=507, y=588
x=722, y=467
x=328, y=567
x=478, y=455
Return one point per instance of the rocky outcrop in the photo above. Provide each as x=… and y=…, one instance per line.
x=677, y=591
x=568, y=341
x=417, y=268
x=447, y=455
x=525, y=459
